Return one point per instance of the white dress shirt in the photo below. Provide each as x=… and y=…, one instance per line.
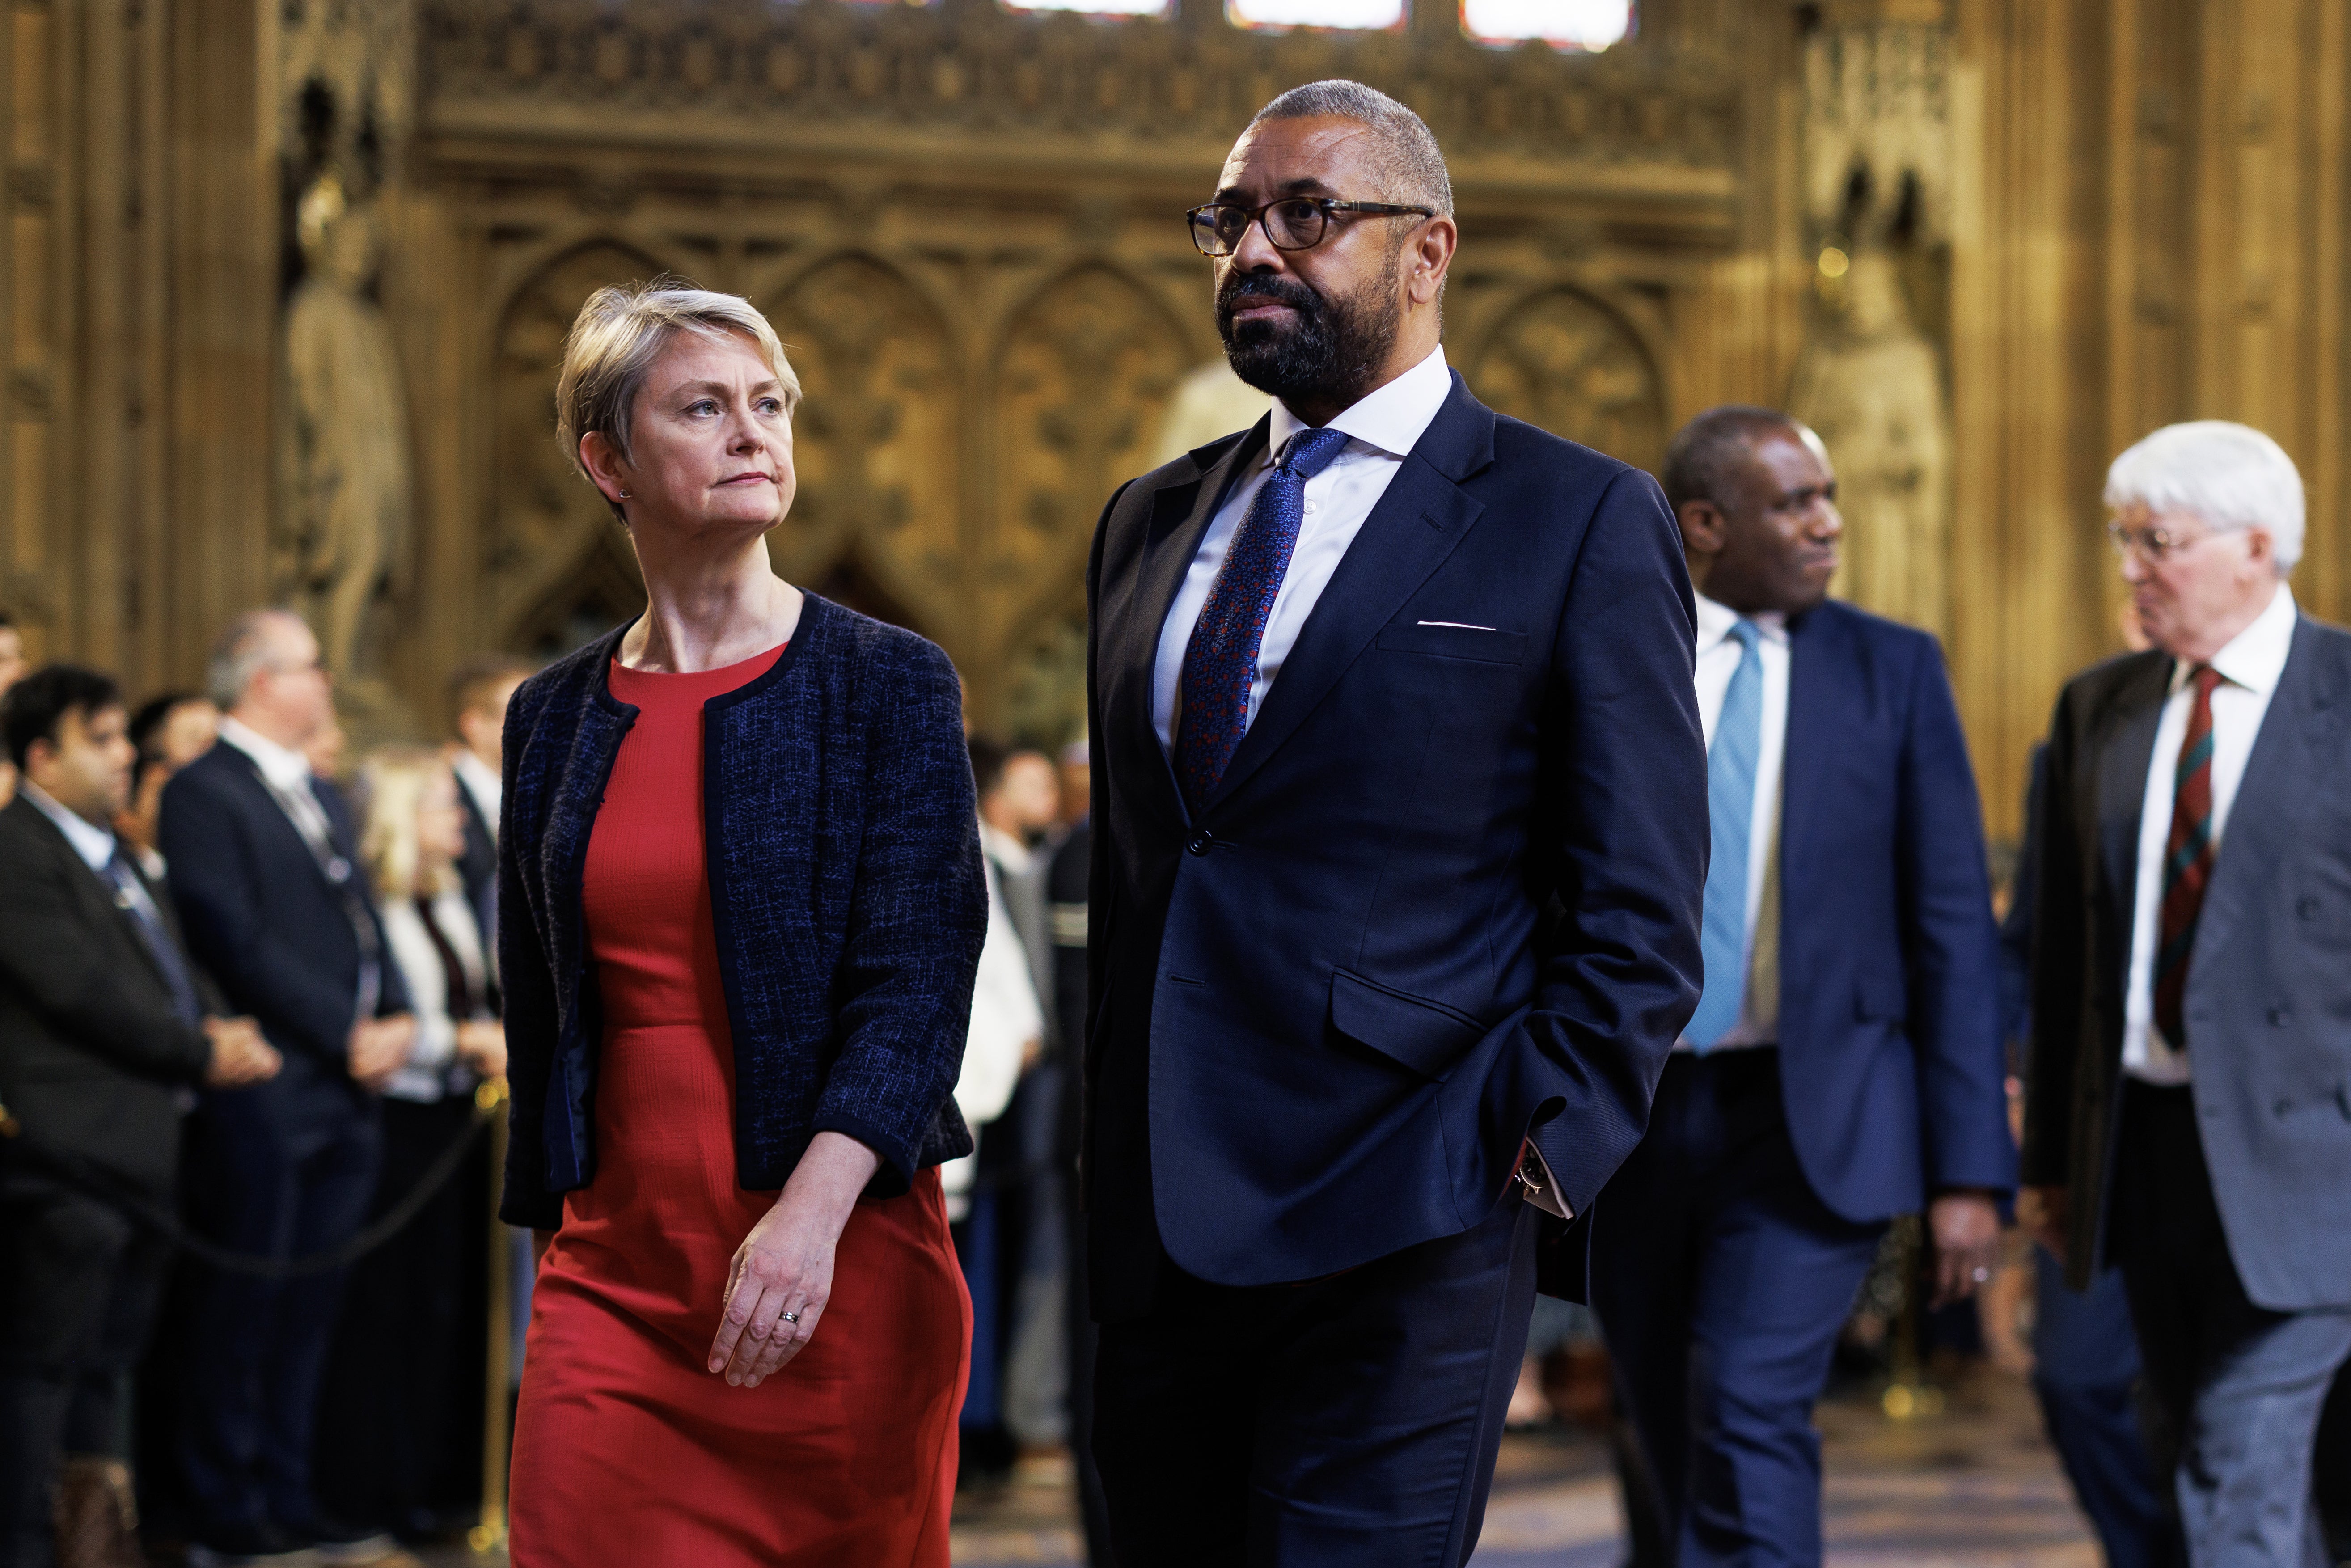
x=1718, y=654
x=1384, y=427
x=1006, y=1019
x=93, y=843
x=485, y=788
x=2249, y=666
x=288, y=773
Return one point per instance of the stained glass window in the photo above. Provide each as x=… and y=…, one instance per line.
x=1581, y=25
x=1376, y=15
x=1098, y=7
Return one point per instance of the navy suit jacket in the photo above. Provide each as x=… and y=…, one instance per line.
x=1445, y=899
x=264, y=921
x=1892, y=1064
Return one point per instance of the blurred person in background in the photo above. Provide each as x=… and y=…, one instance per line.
x=327, y=749
x=478, y=694
x=987, y=1188
x=266, y=873
x=168, y=732
x=2189, y=1110
x=13, y=668
x=400, y=1445
x=480, y=691
x=1845, y=1064
x=2084, y=1358
x=105, y=1023
x=1066, y=878
x=1017, y=818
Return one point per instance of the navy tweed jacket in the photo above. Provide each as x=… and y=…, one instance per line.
x=845, y=888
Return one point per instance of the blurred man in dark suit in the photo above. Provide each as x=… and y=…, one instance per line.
x=168, y=732
x=265, y=870
x=479, y=694
x=104, y=1024
x=2190, y=1109
x=1845, y=1064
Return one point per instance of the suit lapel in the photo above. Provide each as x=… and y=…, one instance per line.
x=1421, y=519
x=2281, y=775
x=99, y=910
x=1818, y=695
x=2126, y=751
x=1179, y=521
x=275, y=812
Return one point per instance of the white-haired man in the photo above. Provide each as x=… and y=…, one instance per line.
x=2189, y=1112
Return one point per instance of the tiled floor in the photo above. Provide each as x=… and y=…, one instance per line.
x=1972, y=1487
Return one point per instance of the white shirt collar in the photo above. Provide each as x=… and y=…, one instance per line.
x=283, y=766
x=1008, y=851
x=92, y=842
x=1715, y=622
x=2255, y=657
x=1392, y=419
x=486, y=788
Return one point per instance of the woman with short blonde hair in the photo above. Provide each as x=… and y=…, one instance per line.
x=741, y=905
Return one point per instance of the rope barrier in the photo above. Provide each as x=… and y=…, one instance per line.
x=95, y=1181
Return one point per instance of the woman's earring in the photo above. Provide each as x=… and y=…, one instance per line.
x=624, y=495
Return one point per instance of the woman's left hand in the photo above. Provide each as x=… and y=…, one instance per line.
x=782, y=1277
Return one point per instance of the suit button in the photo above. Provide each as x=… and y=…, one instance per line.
x=2281, y=1017
x=1202, y=842
x=2307, y=908
x=2283, y=1107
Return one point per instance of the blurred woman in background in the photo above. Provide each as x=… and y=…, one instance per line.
x=400, y=1428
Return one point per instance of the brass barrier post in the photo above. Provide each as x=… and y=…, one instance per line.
x=491, y=1535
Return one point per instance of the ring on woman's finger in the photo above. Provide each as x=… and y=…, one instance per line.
x=791, y=1317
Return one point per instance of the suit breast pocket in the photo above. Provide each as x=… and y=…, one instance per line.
x=1457, y=639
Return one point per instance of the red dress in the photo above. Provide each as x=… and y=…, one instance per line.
x=627, y=1452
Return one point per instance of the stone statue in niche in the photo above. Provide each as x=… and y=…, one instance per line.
x=1871, y=383
x=344, y=507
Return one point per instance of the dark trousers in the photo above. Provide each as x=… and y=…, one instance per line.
x=77, y=1290
x=2237, y=1388
x=1351, y=1420
x=2086, y=1373
x=265, y=1181
x=1721, y=1281
x=399, y=1429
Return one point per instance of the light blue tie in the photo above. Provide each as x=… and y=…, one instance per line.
x=1730, y=804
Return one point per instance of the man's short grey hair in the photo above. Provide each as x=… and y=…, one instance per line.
x=618, y=335
x=1411, y=168
x=2227, y=476
x=242, y=651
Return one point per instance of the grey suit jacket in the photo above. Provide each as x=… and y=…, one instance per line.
x=2268, y=983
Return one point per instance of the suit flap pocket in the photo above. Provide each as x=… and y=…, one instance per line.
x=1457, y=641
x=1426, y=1037
x=1877, y=994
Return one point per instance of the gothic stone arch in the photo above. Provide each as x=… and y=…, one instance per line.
x=1562, y=360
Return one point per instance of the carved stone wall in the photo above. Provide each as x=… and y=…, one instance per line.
x=966, y=229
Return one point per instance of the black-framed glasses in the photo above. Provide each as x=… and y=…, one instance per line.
x=1293, y=223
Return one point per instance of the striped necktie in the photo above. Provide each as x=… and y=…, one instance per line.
x=1730, y=764
x=2186, y=861
x=1220, y=661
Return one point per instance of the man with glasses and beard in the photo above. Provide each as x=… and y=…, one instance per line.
x=1400, y=840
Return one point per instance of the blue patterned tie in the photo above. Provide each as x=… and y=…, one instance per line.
x=1730, y=805
x=1220, y=661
